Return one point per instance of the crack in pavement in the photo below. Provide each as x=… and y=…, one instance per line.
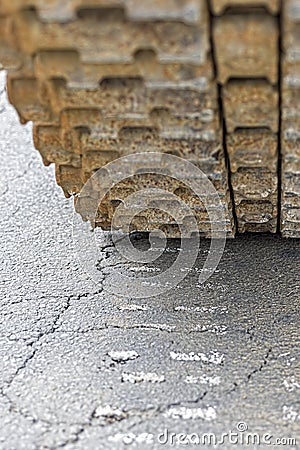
x=34, y=351
x=252, y=373
x=13, y=407
x=144, y=415
x=262, y=366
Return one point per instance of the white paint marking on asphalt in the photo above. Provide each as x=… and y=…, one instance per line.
x=144, y=269
x=140, y=377
x=201, y=309
x=121, y=356
x=109, y=412
x=133, y=307
x=291, y=384
x=157, y=326
x=212, y=357
x=290, y=414
x=203, y=379
x=289, y=361
x=216, y=329
x=192, y=413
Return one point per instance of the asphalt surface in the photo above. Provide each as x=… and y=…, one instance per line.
x=82, y=368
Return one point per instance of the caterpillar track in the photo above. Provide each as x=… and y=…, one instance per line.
x=216, y=82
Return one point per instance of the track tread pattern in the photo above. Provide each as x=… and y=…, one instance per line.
x=94, y=97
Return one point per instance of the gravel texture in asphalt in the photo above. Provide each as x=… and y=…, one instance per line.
x=85, y=369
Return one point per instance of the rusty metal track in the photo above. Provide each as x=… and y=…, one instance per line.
x=247, y=57
x=145, y=80
x=290, y=138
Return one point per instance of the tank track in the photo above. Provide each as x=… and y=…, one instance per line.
x=215, y=82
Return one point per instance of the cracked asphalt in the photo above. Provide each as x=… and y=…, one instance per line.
x=82, y=369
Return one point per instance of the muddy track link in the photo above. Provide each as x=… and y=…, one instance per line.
x=215, y=82
x=290, y=136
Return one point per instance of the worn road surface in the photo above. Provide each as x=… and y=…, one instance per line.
x=85, y=369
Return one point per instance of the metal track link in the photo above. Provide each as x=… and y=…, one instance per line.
x=187, y=11
x=147, y=86
x=102, y=79
x=220, y=6
x=247, y=57
x=290, y=139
